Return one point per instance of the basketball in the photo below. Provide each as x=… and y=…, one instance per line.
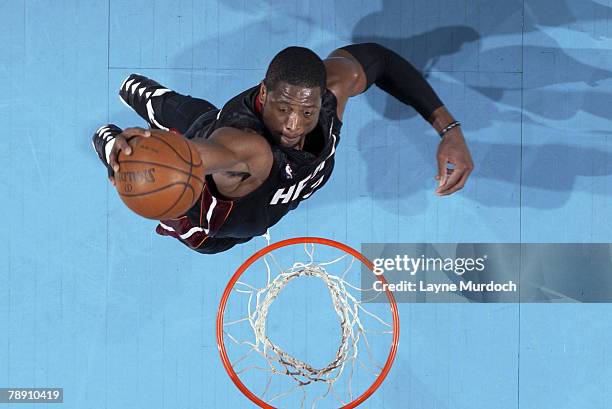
x=162, y=177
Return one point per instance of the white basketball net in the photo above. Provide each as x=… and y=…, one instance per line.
x=350, y=312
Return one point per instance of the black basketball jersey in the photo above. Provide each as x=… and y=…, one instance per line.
x=295, y=174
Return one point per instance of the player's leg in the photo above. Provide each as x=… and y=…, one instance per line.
x=195, y=237
x=216, y=245
x=161, y=107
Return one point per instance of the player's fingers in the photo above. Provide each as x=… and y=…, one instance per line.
x=453, y=176
x=130, y=132
x=456, y=181
x=460, y=185
x=120, y=144
x=112, y=180
x=112, y=160
x=441, y=176
x=441, y=166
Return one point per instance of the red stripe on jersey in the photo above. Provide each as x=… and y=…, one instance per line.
x=209, y=224
x=258, y=105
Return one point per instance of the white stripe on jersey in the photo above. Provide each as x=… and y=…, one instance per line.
x=333, y=148
x=209, y=213
x=151, y=116
x=184, y=236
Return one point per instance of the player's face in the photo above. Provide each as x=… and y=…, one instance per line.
x=290, y=112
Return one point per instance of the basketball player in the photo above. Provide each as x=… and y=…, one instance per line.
x=273, y=145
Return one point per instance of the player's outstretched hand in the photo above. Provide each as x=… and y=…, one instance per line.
x=454, y=151
x=121, y=144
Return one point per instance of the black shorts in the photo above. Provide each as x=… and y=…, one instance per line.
x=196, y=237
x=216, y=245
x=180, y=112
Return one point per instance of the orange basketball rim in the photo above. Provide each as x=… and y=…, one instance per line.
x=304, y=240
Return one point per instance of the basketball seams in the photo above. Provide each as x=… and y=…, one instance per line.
x=172, y=147
x=191, y=154
x=190, y=169
x=187, y=183
x=176, y=201
x=160, y=216
x=178, y=154
x=175, y=155
x=146, y=162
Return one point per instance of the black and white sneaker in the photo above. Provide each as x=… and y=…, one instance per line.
x=103, y=141
x=137, y=92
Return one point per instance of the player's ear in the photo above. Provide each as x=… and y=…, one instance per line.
x=262, y=92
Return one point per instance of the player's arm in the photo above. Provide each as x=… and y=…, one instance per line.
x=231, y=149
x=351, y=70
x=227, y=149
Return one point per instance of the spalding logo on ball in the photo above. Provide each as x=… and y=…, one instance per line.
x=162, y=178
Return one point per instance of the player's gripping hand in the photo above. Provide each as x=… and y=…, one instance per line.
x=454, y=151
x=121, y=144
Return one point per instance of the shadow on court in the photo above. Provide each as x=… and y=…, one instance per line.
x=555, y=86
